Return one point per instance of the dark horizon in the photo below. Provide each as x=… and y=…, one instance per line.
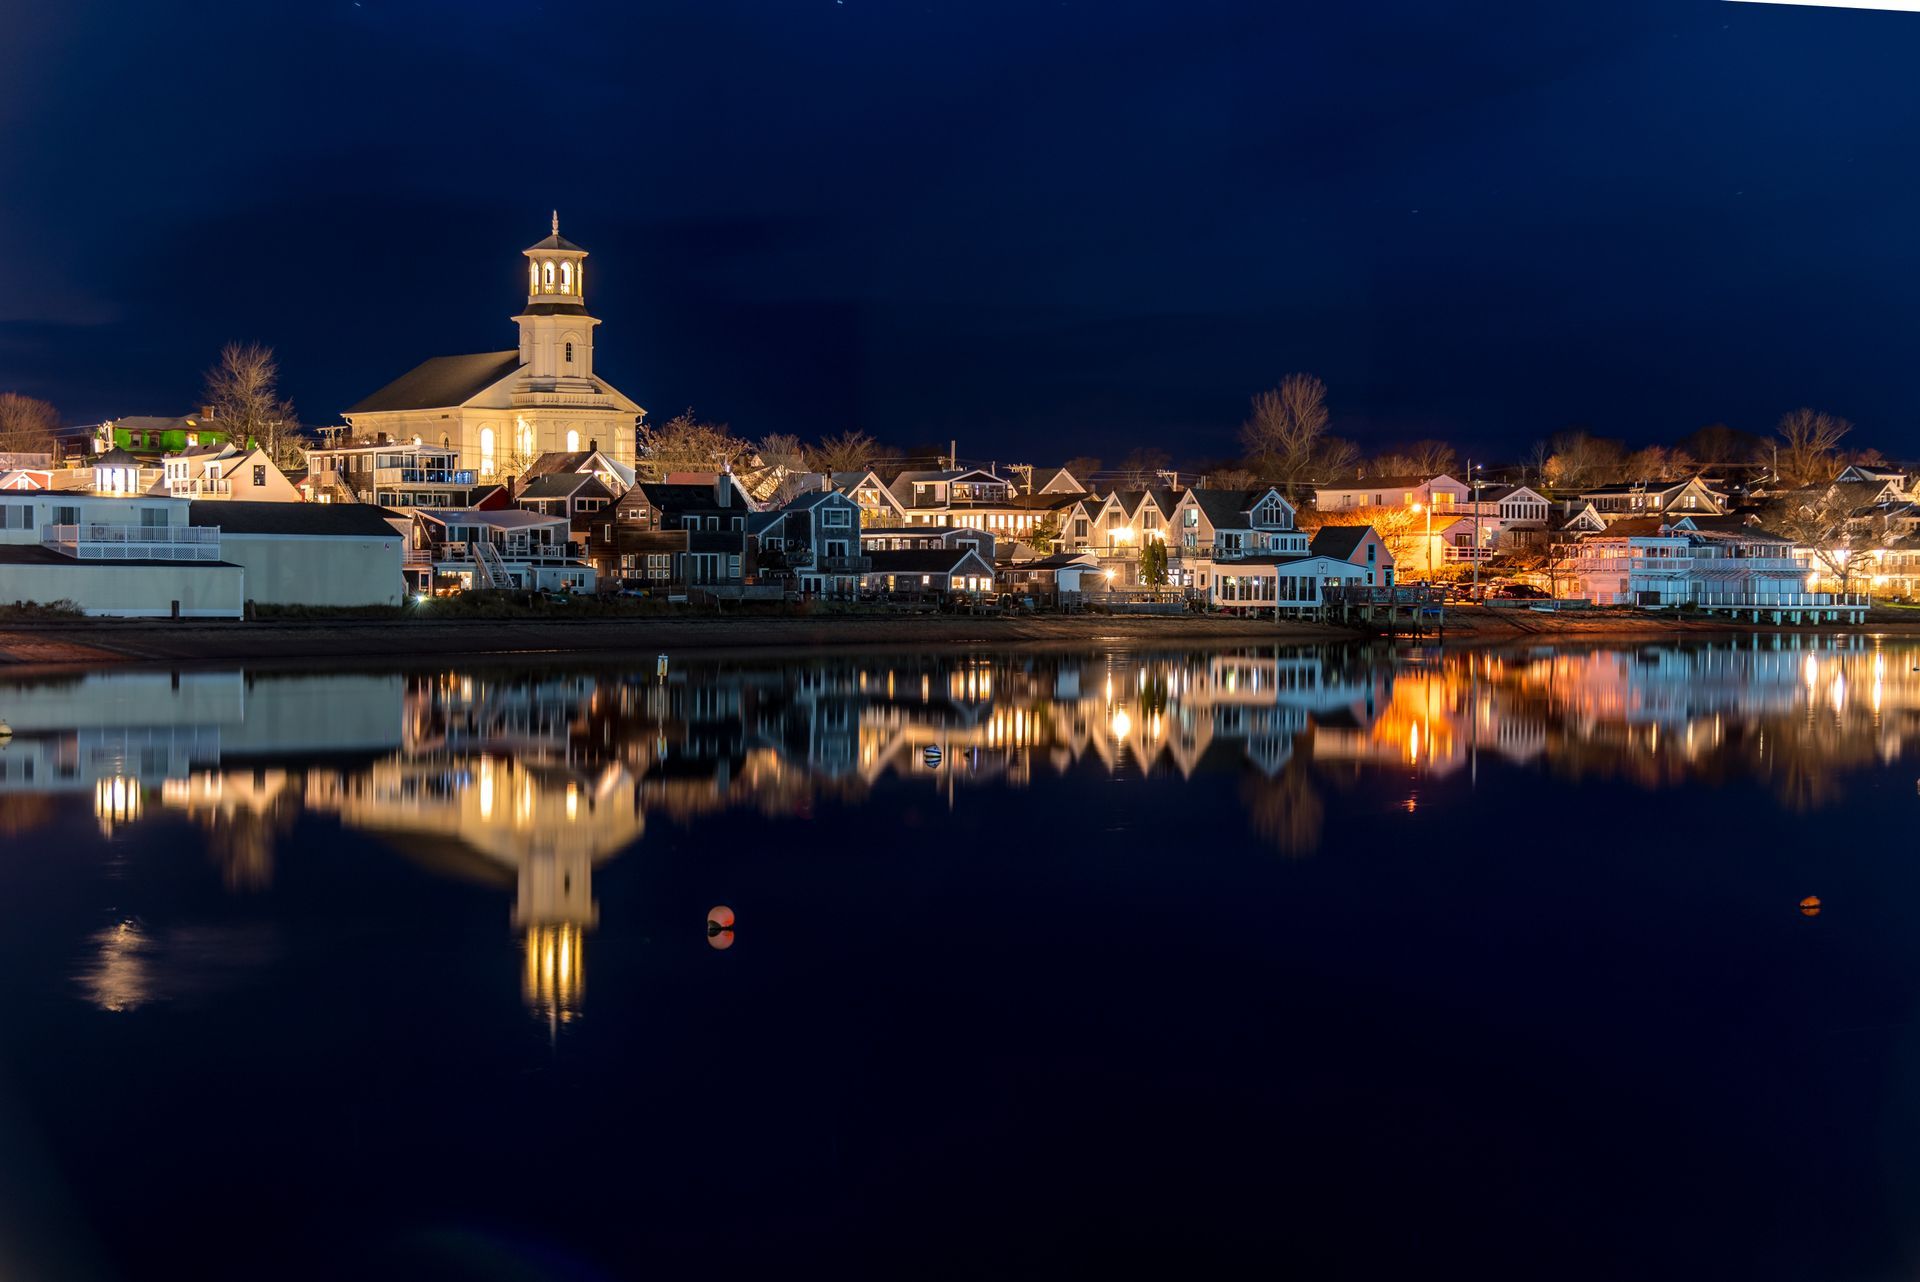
x=1046, y=233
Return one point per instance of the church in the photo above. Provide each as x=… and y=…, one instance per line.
x=502, y=410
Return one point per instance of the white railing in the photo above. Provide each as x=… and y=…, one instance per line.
x=134, y=542
x=1782, y=600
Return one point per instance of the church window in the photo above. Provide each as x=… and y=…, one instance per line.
x=533, y=277
x=573, y=438
x=547, y=274
x=569, y=353
x=523, y=440
x=566, y=278
x=486, y=451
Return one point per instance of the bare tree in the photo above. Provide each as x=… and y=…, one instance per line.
x=1286, y=424
x=783, y=450
x=1809, y=444
x=685, y=444
x=1232, y=478
x=243, y=387
x=1335, y=457
x=1143, y=464
x=1822, y=519
x=1431, y=458
x=27, y=424
x=1716, y=443
x=1084, y=468
x=1581, y=460
x=1649, y=464
x=1536, y=463
x=851, y=451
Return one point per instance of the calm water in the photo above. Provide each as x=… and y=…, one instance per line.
x=1303, y=964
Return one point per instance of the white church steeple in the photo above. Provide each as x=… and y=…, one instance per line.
x=556, y=333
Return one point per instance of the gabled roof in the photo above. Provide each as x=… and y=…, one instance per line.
x=669, y=497
x=1229, y=509
x=505, y=518
x=1633, y=527
x=320, y=520
x=940, y=560
x=556, y=485
x=441, y=383
x=1339, y=541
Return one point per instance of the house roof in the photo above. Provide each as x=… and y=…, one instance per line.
x=320, y=520
x=1339, y=541
x=555, y=485
x=116, y=457
x=1380, y=483
x=38, y=554
x=1229, y=509
x=441, y=382
x=1634, y=526
x=556, y=461
x=671, y=497
x=940, y=560
x=506, y=518
x=1059, y=561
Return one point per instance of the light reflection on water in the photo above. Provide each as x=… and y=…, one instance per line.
x=307, y=951
x=540, y=778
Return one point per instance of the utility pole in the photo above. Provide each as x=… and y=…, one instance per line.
x=1473, y=476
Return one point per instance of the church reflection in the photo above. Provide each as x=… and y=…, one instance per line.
x=534, y=781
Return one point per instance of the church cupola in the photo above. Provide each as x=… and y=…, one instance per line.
x=556, y=269
x=556, y=333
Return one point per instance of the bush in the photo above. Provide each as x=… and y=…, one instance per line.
x=27, y=611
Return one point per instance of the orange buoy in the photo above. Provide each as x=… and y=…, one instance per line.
x=720, y=918
x=1810, y=906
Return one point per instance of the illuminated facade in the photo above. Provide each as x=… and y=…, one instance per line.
x=499, y=411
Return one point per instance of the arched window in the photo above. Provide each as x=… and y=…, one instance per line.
x=533, y=277
x=446, y=442
x=569, y=353
x=523, y=439
x=486, y=451
x=573, y=442
x=566, y=278
x=546, y=274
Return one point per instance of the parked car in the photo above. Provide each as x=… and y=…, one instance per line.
x=1521, y=592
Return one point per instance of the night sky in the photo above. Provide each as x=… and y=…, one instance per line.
x=1044, y=228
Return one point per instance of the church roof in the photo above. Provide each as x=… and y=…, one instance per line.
x=557, y=241
x=441, y=383
x=554, y=309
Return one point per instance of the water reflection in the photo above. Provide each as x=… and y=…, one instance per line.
x=532, y=781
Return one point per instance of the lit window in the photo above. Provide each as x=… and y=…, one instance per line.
x=486, y=451
x=547, y=275
x=533, y=277
x=566, y=280
x=573, y=438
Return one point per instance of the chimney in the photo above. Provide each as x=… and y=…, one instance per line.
x=593, y=447
x=206, y=411
x=826, y=482
x=723, y=486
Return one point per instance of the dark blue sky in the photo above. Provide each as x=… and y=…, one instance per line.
x=1045, y=228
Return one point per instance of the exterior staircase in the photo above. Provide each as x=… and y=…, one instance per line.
x=489, y=571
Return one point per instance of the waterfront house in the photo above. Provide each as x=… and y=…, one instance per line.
x=1659, y=498
x=223, y=472
x=1359, y=545
x=1440, y=492
x=883, y=538
x=1284, y=585
x=671, y=537
x=311, y=554
x=1053, y=580
x=877, y=503
x=138, y=557
x=397, y=474
x=928, y=572
x=814, y=543
x=508, y=548
x=1215, y=524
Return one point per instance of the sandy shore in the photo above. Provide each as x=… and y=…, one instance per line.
x=95, y=643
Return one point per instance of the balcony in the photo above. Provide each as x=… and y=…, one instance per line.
x=134, y=542
x=845, y=564
x=1468, y=553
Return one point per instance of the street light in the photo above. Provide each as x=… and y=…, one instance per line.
x=1426, y=548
